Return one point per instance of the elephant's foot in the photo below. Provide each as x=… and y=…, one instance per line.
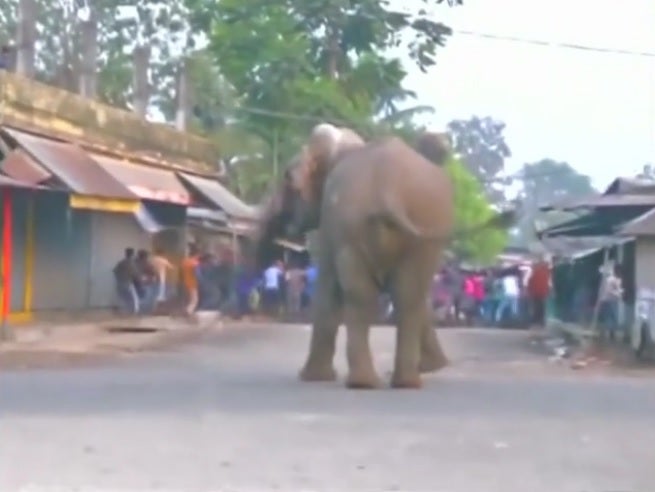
x=363, y=380
x=317, y=373
x=406, y=381
x=432, y=362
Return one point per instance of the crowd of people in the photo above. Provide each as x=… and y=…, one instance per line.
x=145, y=284
x=148, y=283
x=500, y=296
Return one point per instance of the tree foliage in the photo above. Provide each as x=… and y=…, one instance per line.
x=481, y=145
x=159, y=24
x=298, y=62
x=472, y=209
x=547, y=182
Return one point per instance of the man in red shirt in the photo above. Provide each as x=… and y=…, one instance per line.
x=539, y=289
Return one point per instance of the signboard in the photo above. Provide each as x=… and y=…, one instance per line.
x=102, y=204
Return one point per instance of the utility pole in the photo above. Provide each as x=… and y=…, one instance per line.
x=88, y=80
x=141, y=57
x=183, y=98
x=26, y=38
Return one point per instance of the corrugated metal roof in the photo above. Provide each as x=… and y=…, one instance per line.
x=6, y=181
x=220, y=196
x=570, y=246
x=644, y=225
x=606, y=201
x=20, y=166
x=146, y=182
x=634, y=186
x=203, y=213
x=72, y=165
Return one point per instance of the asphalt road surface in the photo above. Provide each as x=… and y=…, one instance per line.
x=228, y=414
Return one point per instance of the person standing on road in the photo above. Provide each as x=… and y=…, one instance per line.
x=295, y=279
x=190, y=279
x=610, y=301
x=126, y=279
x=510, y=297
x=147, y=281
x=538, y=291
x=272, y=283
x=311, y=274
x=161, y=265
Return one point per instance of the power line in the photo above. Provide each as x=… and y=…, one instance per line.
x=535, y=41
x=506, y=180
x=554, y=44
x=291, y=116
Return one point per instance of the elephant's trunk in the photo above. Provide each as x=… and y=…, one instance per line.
x=271, y=225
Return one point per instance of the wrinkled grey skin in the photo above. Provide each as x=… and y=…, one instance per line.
x=384, y=214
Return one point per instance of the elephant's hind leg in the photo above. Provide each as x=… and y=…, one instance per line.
x=416, y=345
x=326, y=319
x=360, y=295
x=432, y=355
x=361, y=370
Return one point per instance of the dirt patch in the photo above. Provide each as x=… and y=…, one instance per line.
x=103, y=349
x=38, y=359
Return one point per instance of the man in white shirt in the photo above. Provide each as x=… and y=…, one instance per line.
x=272, y=280
x=510, y=297
x=611, y=296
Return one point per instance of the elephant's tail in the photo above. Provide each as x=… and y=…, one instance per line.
x=502, y=220
x=400, y=219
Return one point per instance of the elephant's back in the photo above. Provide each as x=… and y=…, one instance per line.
x=359, y=185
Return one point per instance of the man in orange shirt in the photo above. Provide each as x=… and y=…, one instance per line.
x=189, y=278
x=539, y=289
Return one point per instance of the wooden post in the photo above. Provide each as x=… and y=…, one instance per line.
x=141, y=57
x=88, y=74
x=26, y=37
x=182, y=96
x=7, y=240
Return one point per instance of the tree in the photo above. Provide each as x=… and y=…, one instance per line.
x=547, y=182
x=162, y=25
x=481, y=145
x=297, y=62
x=471, y=209
x=647, y=172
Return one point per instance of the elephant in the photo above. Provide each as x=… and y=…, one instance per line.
x=383, y=214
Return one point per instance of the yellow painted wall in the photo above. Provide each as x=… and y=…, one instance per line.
x=103, y=204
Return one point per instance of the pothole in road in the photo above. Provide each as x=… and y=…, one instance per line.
x=131, y=329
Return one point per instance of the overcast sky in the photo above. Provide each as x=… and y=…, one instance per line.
x=593, y=110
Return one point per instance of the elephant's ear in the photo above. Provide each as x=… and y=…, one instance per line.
x=435, y=147
x=307, y=172
x=303, y=175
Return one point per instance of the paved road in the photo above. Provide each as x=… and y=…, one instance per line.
x=227, y=414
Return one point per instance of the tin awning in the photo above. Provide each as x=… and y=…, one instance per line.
x=20, y=166
x=71, y=165
x=147, y=182
x=644, y=225
x=602, y=201
x=220, y=196
x=198, y=213
x=8, y=182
